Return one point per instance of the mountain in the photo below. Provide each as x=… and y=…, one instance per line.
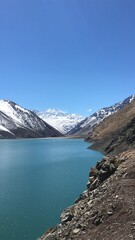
x=117, y=132
x=87, y=125
x=60, y=120
x=18, y=122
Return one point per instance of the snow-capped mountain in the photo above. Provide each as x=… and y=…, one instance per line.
x=16, y=121
x=60, y=120
x=93, y=120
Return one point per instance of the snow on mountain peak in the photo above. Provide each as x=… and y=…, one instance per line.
x=60, y=120
x=20, y=122
x=12, y=110
x=54, y=112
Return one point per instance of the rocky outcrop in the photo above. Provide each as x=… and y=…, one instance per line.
x=101, y=172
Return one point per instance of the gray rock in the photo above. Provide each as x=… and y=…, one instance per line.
x=66, y=216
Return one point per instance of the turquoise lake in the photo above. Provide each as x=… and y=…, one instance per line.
x=38, y=179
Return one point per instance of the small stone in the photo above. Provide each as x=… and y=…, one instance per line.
x=88, y=184
x=76, y=230
x=131, y=236
x=112, y=168
x=93, y=185
x=66, y=216
x=87, y=214
x=105, y=158
x=97, y=221
x=91, y=179
x=90, y=203
x=110, y=213
x=123, y=159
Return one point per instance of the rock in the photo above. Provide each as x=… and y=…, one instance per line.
x=106, y=166
x=93, y=172
x=105, y=158
x=93, y=185
x=66, y=216
x=76, y=230
x=110, y=213
x=103, y=175
x=97, y=220
x=112, y=168
x=123, y=159
x=90, y=203
x=99, y=165
x=91, y=179
x=88, y=184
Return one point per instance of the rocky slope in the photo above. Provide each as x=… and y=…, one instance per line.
x=106, y=210
x=17, y=122
x=86, y=126
x=60, y=120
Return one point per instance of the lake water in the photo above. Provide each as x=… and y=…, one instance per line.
x=38, y=179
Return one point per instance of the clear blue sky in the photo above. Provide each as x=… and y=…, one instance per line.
x=74, y=55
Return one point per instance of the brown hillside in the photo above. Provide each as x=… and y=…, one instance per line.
x=114, y=122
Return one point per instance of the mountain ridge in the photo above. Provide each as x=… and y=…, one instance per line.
x=87, y=125
x=18, y=122
x=59, y=119
x=113, y=130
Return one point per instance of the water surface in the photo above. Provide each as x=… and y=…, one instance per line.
x=38, y=179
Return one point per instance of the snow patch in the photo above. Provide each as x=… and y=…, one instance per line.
x=22, y=109
x=5, y=129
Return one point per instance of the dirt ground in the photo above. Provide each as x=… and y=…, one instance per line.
x=117, y=205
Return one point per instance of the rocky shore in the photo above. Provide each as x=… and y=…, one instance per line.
x=106, y=210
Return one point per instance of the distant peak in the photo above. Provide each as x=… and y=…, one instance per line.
x=54, y=110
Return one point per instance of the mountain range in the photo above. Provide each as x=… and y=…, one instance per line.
x=60, y=120
x=18, y=122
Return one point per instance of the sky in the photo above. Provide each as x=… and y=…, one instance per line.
x=74, y=55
